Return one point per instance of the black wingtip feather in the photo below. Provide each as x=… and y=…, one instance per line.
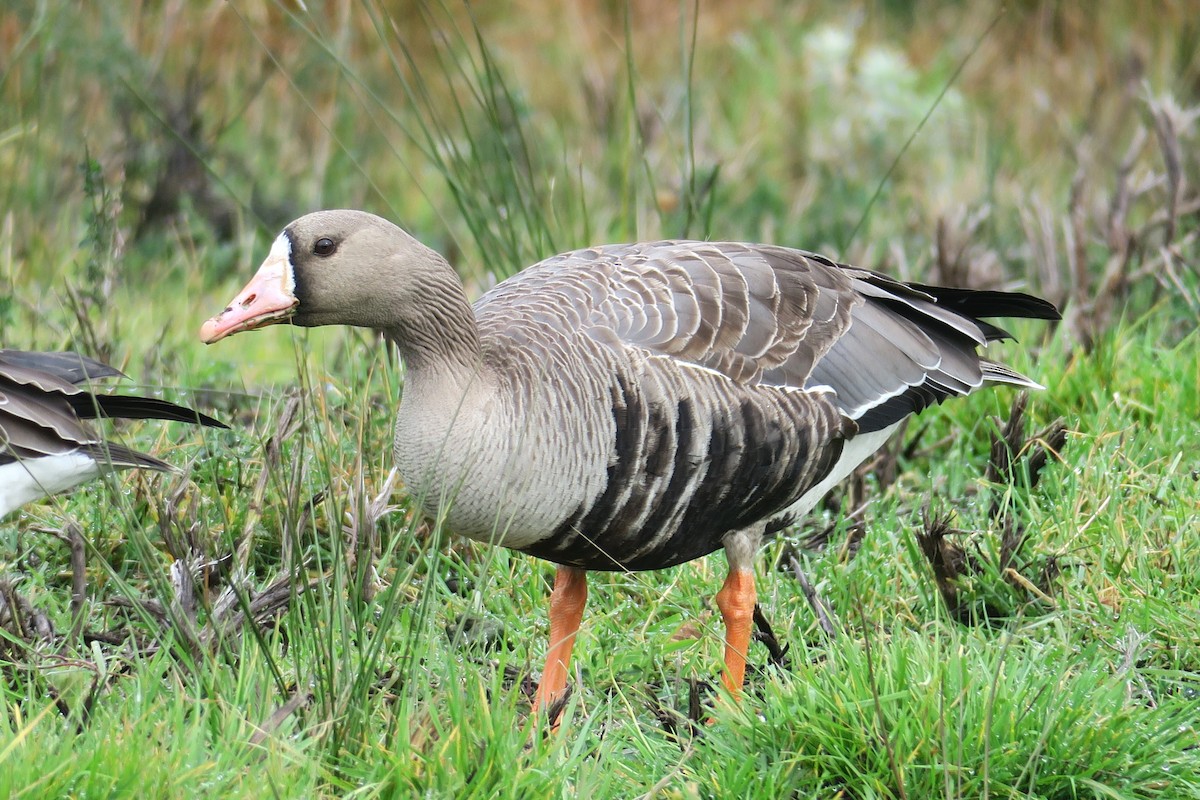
x=987, y=303
x=130, y=407
x=125, y=458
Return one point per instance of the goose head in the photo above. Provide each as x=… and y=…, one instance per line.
x=341, y=267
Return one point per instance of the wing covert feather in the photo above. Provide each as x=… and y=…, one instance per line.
x=775, y=316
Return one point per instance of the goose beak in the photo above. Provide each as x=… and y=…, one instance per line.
x=268, y=298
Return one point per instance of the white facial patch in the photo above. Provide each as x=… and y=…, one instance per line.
x=281, y=253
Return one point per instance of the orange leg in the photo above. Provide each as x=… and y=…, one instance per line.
x=736, y=601
x=566, y=610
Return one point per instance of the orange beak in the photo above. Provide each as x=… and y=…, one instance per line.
x=268, y=298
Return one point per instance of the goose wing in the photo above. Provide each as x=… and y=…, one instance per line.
x=735, y=373
x=70, y=368
x=36, y=416
x=41, y=408
x=776, y=316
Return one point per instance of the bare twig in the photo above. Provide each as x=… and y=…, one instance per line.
x=948, y=561
x=362, y=529
x=763, y=632
x=297, y=701
x=286, y=425
x=1139, y=226
x=824, y=614
x=72, y=536
x=20, y=618
x=1006, y=446
x=1011, y=445
x=267, y=604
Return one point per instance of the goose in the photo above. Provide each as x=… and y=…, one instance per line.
x=634, y=406
x=45, y=445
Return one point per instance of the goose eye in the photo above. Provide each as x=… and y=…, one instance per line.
x=324, y=246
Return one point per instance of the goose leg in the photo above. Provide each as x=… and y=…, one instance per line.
x=566, y=610
x=736, y=603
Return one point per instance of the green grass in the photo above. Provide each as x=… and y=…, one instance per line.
x=498, y=144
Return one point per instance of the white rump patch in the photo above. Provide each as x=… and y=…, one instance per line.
x=24, y=481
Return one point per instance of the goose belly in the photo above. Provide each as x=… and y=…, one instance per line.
x=690, y=458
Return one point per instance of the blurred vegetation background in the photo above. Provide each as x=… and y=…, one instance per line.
x=269, y=618
x=135, y=136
